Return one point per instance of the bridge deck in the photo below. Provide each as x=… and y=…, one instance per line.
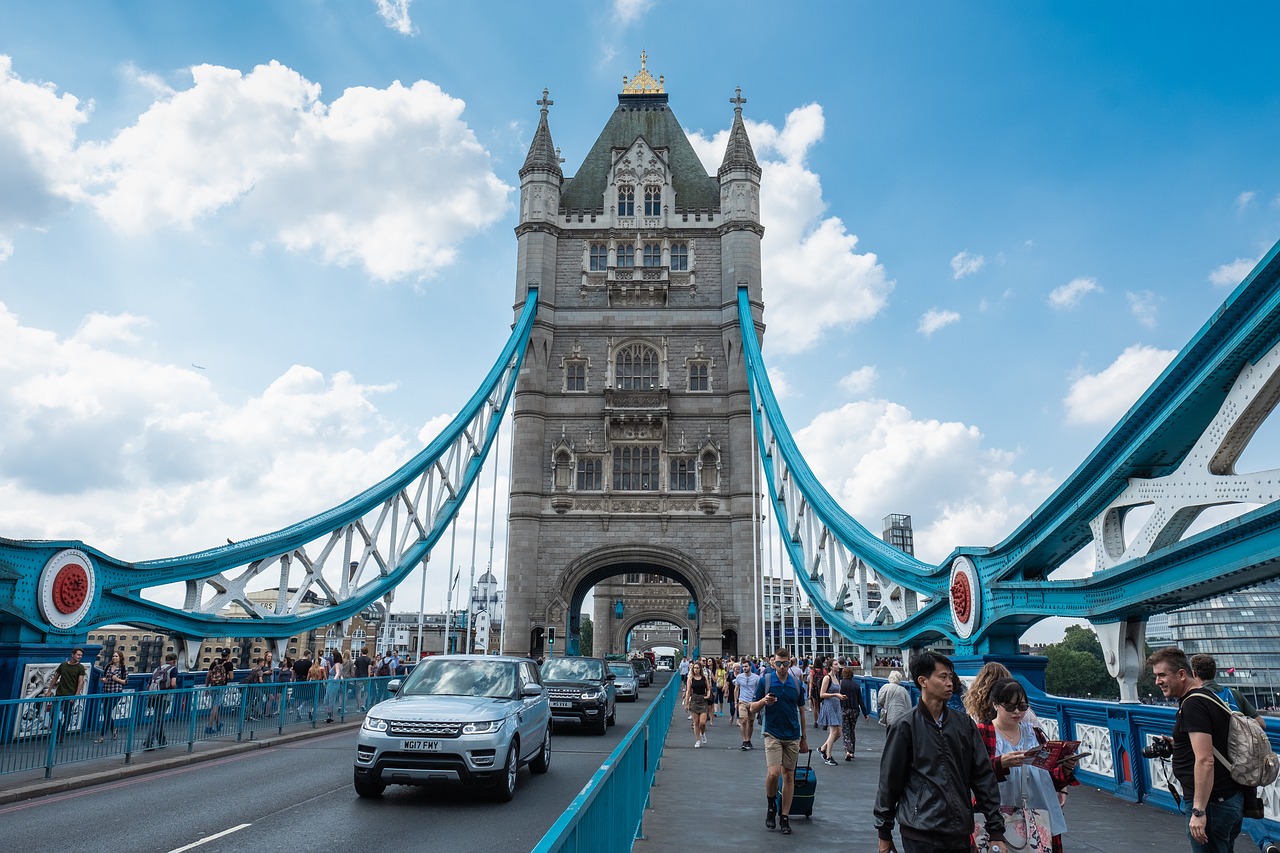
x=715, y=795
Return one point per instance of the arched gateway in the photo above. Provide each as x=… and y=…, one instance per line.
x=632, y=449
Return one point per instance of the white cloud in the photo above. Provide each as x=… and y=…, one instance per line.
x=395, y=14
x=1144, y=305
x=1101, y=398
x=876, y=459
x=6, y=248
x=630, y=11
x=815, y=278
x=144, y=459
x=935, y=319
x=1070, y=294
x=778, y=382
x=392, y=179
x=861, y=380
x=965, y=264
x=1229, y=275
x=1243, y=200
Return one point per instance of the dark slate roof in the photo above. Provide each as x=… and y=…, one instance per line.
x=650, y=117
x=542, y=152
x=738, y=152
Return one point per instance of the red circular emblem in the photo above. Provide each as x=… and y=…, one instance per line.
x=961, y=597
x=70, y=588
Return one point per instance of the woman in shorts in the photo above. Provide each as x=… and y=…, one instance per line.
x=696, y=691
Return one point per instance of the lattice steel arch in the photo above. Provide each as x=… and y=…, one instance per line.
x=1175, y=450
x=52, y=589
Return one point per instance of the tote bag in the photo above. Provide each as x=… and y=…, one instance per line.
x=1025, y=829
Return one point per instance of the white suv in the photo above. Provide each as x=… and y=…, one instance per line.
x=457, y=718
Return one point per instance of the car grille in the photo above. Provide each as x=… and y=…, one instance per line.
x=564, y=692
x=405, y=728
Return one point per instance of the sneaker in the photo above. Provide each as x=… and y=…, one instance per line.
x=786, y=825
x=830, y=762
x=771, y=818
x=1271, y=848
x=744, y=746
x=750, y=745
x=704, y=737
x=697, y=744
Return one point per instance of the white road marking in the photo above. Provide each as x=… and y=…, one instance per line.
x=209, y=838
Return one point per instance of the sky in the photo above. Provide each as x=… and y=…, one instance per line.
x=254, y=255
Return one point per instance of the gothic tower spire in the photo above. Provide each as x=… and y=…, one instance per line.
x=738, y=153
x=542, y=151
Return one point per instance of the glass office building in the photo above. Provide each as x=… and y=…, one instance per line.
x=1242, y=632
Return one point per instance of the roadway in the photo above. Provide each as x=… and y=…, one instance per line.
x=298, y=796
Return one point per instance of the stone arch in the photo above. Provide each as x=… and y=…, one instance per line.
x=621, y=628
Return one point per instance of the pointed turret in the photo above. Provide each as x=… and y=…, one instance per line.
x=542, y=151
x=738, y=153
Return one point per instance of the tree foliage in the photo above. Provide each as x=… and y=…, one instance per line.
x=586, y=636
x=1077, y=668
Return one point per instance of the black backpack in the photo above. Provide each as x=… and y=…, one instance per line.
x=384, y=668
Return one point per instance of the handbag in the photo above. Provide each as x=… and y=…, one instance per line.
x=1025, y=828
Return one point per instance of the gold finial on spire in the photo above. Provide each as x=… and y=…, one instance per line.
x=643, y=83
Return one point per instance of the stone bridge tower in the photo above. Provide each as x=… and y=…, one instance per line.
x=632, y=448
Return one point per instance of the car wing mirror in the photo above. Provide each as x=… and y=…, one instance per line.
x=531, y=690
x=393, y=685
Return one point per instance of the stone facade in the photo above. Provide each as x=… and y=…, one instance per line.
x=632, y=448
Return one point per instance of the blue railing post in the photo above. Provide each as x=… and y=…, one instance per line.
x=55, y=716
x=193, y=711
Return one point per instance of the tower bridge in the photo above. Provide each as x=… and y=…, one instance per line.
x=648, y=440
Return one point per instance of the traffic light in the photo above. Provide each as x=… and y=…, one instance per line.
x=684, y=637
x=551, y=636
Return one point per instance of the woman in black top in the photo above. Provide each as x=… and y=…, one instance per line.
x=695, y=702
x=851, y=707
x=114, y=678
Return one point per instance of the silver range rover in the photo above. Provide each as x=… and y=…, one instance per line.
x=460, y=719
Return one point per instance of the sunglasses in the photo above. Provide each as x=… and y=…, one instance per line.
x=1016, y=709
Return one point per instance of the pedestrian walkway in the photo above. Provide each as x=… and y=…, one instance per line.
x=712, y=798
x=27, y=784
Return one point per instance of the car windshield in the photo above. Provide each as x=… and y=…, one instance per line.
x=570, y=669
x=622, y=669
x=443, y=677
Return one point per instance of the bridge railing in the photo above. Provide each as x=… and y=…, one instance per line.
x=46, y=732
x=1115, y=733
x=607, y=815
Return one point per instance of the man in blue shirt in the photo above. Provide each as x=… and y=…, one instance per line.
x=781, y=697
x=746, y=683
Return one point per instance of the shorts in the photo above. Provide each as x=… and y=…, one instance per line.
x=697, y=704
x=784, y=753
x=744, y=709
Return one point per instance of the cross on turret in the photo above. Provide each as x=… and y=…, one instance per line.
x=544, y=102
x=737, y=100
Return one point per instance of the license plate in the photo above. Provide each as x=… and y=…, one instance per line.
x=559, y=705
x=422, y=746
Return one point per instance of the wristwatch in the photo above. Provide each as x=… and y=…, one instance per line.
x=1197, y=812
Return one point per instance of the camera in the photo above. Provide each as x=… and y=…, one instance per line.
x=1158, y=748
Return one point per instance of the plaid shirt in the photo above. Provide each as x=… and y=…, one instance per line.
x=1061, y=777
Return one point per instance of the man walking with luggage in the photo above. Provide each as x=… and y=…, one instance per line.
x=935, y=772
x=781, y=697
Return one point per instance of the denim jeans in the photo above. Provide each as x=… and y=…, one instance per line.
x=1259, y=833
x=1222, y=825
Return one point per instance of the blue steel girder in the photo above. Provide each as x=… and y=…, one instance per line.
x=387, y=531
x=1174, y=451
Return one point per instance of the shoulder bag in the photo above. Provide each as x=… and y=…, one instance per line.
x=1025, y=829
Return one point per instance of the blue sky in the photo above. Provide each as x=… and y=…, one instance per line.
x=253, y=254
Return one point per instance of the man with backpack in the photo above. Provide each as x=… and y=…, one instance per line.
x=165, y=677
x=215, y=678
x=1201, y=727
x=782, y=698
x=1206, y=669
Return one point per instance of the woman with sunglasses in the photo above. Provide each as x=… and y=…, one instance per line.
x=695, y=702
x=1011, y=742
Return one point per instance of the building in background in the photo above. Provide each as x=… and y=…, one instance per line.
x=1242, y=632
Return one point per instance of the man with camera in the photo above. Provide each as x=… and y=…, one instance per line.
x=1201, y=726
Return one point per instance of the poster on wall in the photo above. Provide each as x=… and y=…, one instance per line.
x=35, y=718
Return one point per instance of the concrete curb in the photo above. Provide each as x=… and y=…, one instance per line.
x=45, y=787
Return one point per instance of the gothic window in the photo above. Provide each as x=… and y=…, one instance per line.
x=652, y=201
x=599, y=257
x=637, y=368
x=699, y=376
x=653, y=254
x=631, y=577
x=626, y=200
x=710, y=475
x=589, y=468
x=561, y=465
x=575, y=375
x=684, y=476
x=626, y=256
x=680, y=256
x=635, y=467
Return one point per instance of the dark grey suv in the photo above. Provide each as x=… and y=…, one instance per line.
x=582, y=689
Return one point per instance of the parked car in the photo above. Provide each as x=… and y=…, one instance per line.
x=627, y=682
x=644, y=671
x=582, y=689
x=459, y=719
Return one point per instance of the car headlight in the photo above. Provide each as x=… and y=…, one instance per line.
x=592, y=694
x=485, y=728
x=374, y=724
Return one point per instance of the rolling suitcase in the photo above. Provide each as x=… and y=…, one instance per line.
x=806, y=787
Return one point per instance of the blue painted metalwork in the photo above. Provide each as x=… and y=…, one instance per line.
x=423, y=496
x=1201, y=411
x=607, y=815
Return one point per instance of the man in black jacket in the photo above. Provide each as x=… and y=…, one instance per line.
x=935, y=772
